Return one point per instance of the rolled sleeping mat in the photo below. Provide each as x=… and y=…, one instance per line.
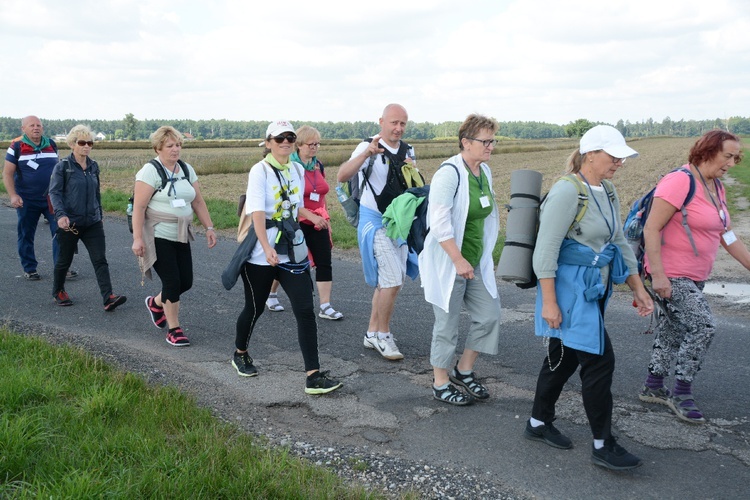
x=520, y=233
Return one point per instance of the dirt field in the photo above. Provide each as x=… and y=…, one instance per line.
x=657, y=156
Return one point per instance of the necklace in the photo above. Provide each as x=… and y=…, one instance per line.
x=717, y=206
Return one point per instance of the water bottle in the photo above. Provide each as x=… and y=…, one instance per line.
x=341, y=194
x=129, y=213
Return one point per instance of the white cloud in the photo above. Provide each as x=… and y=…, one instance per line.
x=335, y=60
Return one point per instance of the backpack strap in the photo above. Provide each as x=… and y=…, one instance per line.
x=458, y=174
x=185, y=170
x=583, y=200
x=17, y=156
x=683, y=208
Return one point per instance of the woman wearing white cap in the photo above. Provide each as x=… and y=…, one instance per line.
x=274, y=201
x=577, y=259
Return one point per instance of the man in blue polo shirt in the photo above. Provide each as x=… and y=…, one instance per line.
x=28, y=167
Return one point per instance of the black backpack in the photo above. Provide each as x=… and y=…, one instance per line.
x=395, y=183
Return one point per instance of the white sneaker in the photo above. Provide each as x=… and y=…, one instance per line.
x=386, y=347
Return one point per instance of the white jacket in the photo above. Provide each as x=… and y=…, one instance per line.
x=446, y=218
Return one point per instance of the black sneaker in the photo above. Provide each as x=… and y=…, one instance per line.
x=71, y=275
x=32, y=276
x=243, y=363
x=62, y=298
x=548, y=434
x=319, y=383
x=614, y=457
x=113, y=301
x=156, y=313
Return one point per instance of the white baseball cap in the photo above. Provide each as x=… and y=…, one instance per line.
x=607, y=138
x=278, y=128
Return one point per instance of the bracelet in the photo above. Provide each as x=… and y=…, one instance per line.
x=210, y=228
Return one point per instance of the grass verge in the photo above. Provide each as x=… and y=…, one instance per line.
x=738, y=194
x=72, y=427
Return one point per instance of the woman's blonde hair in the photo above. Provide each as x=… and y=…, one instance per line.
x=79, y=132
x=305, y=134
x=164, y=134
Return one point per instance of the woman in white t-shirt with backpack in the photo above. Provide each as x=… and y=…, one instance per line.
x=274, y=201
x=162, y=230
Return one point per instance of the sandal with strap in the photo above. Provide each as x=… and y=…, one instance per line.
x=330, y=313
x=684, y=407
x=469, y=382
x=272, y=303
x=451, y=395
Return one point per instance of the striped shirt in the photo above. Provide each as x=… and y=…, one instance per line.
x=33, y=168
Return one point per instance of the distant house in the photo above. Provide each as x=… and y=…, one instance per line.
x=188, y=136
x=100, y=136
x=60, y=138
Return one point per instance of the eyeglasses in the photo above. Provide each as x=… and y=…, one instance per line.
x=313, y=145
x=615, y=161
x=288, y=137
x=486, y=143
x=86, y=143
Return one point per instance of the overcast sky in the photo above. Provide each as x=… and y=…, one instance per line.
x=320, y=60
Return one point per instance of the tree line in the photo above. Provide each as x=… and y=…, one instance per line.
x=131, y=128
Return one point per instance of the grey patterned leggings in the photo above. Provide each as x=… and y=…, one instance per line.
x=685, y=333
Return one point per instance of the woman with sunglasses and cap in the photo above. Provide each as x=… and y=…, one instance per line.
x=74, y=193
x=577, y=263
x=274, y=201
x=317, y=230
x=162, y=228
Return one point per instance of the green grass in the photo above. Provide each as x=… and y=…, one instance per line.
x=72, y=427
x=741, y=189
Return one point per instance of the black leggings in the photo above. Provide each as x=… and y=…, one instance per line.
x=319, y=244
x=298, y=287
x=174, y=265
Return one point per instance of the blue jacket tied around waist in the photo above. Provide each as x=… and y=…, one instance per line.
x=579, y=289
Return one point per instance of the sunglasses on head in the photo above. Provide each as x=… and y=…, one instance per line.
x=86, y=143
x=288, y=137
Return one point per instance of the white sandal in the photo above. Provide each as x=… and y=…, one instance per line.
x=330, y=313
x=272, y=303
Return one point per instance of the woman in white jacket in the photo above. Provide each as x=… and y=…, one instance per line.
x=456, y=265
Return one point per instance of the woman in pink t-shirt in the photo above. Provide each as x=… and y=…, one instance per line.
x=679, y=264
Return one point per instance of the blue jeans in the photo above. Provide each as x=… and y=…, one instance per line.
x=28, y=219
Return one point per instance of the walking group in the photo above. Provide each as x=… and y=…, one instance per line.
x=285, y=232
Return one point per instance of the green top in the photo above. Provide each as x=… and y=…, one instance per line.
x=472, y=246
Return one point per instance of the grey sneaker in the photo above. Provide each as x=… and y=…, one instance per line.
x=659, y=396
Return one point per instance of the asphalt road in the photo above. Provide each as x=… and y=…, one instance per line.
x=386, y=406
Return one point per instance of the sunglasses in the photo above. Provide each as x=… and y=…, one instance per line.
x=288, y=137
x=86, y=143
